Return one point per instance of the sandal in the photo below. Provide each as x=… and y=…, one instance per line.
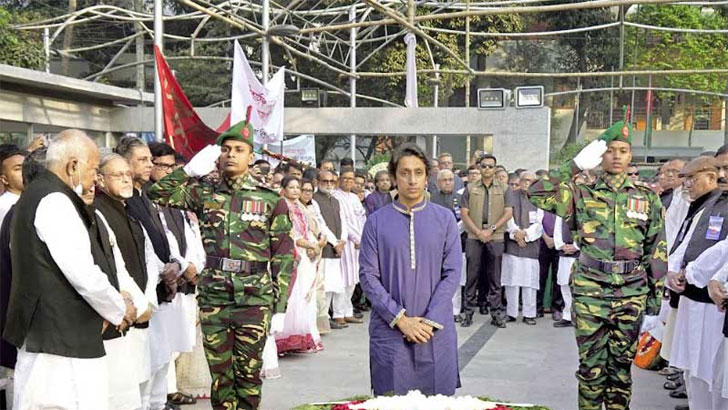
x=181, y=399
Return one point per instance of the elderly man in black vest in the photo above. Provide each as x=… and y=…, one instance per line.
x=697, y=339
x=137, y=153
x=185, y=247
x=331, y=256
x=127, y=357
x=520, y=269
x=63, y=296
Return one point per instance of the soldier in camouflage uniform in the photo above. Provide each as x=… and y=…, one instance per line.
x=618, y=226
x=245, y=227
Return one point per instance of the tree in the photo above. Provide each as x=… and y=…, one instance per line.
x=661, y=50
x=19, y=48
x=588, y=51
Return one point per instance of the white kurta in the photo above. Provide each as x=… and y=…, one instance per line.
x=520, y=271
x=698, y=326
x=124, y=378
x=565, y=262
x=353, y=215
x=180, y=332
x=675, y=215
x=49, y=381
x=7, y=200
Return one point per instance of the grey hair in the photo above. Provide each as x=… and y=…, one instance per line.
x=127, y=145
x=68, y=143
x=442, y=173
x=528, y=173
x=108, y=158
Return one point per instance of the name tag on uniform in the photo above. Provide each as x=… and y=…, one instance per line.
x=532, y=217
x=715, y=224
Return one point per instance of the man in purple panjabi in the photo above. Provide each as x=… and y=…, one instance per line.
x=410, y=267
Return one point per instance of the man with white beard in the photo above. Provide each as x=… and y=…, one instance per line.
x=331, y=255
x=60, y=298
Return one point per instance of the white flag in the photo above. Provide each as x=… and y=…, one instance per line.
x=267, y=101
x=410, y=98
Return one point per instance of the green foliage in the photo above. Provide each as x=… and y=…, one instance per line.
x=567, y=153
x=660, y=50
x=19, y=48
x=378, y=158
x=393, y=57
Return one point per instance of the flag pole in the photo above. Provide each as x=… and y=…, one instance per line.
x=352, y=79
x=159, y=42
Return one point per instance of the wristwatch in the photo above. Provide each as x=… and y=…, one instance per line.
x=493, y=228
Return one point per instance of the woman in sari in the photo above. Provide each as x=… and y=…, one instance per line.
x=300, y=333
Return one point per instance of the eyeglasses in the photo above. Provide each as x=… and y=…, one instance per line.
x=633, y=174
x=326, y=181
x=487, y=166
x=164, y=167
x=119, y=175
x=307, y=190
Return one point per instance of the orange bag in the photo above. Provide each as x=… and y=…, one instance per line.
x=648, y=352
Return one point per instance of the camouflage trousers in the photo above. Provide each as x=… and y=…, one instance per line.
x=233, y=338
x=606, y=336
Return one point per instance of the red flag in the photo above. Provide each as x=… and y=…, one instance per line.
x=183, y=128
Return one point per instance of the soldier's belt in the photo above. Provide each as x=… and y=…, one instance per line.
x=235, y=265
x=617, y=267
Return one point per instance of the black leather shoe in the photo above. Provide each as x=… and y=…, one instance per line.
x=563, y=323
x=529, y=321
x=358, y=315
x=457, y=318
x=672, y=385
x=679, y=394
x=511, y=319
x=335, y=325
x=483, y=310
x=682, y=407
x=497, y=322
x=674, y=377
x=539, y=314
x=467, y=321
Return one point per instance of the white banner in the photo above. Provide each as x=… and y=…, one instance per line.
x=301, y=148
x=267, y=102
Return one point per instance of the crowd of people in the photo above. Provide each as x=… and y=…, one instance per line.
x=133, y=278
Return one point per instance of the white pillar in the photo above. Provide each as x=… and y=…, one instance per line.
x=47, y=49
x=265, y=56
x=352, y=69
x=159, y=42
x=436, y=103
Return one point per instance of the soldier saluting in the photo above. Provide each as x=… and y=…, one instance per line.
x=617, y=224
x=245, y=227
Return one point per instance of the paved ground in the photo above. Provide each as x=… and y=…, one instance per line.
x=524, y=364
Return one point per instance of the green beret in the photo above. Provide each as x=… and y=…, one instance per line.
x=618, y=132
x=242, y=131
